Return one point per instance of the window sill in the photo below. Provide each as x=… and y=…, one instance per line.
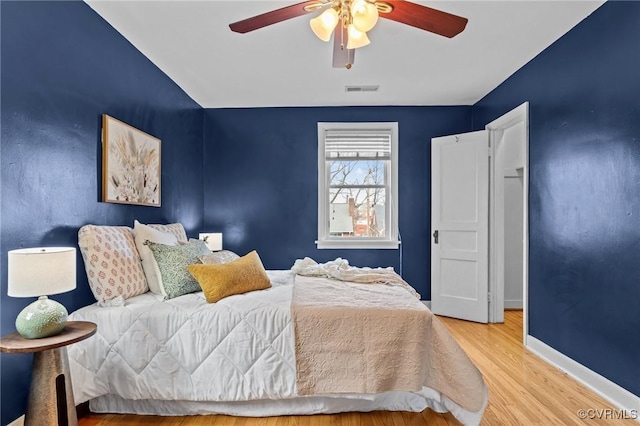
x=361, y=245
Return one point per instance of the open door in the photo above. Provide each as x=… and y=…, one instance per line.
x=460, y=226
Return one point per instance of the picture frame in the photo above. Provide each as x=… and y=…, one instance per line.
x=130, y=164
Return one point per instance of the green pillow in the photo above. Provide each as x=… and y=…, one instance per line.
x=175, y=279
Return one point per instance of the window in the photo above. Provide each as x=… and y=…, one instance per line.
x=357, y=185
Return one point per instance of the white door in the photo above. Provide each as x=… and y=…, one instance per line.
x=460, y=226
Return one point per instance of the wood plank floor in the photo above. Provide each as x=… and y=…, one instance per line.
x=523, y=390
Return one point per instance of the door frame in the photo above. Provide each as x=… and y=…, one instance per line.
x=496, y=129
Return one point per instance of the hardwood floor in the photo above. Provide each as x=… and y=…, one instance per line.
x=523, y=390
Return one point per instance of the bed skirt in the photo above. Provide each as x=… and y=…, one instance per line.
x=388, y=401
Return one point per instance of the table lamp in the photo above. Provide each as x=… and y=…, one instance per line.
x=38, y=272
x=212, y=240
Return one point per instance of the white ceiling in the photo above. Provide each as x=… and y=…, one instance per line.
x=286, y=65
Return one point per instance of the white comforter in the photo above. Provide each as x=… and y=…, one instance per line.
x=184, y=349
x=192, y=350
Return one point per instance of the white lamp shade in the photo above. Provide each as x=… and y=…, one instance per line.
x=364, y=15
x=212, y=240
x=356, y=38
x=324, y=24
x=42, y=271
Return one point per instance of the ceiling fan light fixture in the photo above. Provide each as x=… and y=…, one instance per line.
x=324, y=24
x=364, y=15
x=356, y=38
x=351, y=20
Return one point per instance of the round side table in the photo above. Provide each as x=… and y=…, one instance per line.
x=51, y=395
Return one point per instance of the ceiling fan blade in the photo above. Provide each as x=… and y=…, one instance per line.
x=425, y=18
x=273, y=17
x=342, y=57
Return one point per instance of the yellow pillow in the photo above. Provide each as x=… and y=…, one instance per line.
x=236, y=277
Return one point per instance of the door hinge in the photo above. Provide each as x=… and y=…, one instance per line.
x=489, y=297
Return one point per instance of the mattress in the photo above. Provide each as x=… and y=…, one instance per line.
x=185, y=356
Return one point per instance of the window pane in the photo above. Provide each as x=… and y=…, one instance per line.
x=357, y=172
x=357, y=184
x=357, y=212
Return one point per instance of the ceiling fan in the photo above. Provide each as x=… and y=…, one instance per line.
x=352, y=19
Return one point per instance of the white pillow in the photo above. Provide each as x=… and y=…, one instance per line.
x=142, y=233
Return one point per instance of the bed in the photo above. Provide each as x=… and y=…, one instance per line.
x=244, y=355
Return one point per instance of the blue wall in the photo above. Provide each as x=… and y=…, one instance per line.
x=584, y=207
x=261, y=182
x=62, y=67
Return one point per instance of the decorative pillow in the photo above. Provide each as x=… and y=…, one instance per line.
x=239, y=276
x=141, y=234
x=218, y=257
x=112, y=262
x=172, y=264
x=172, y=228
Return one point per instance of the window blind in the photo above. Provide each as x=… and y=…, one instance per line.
x=357, y=144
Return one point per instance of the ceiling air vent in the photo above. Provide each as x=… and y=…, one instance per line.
x=354, y=89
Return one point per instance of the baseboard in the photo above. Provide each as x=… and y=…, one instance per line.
x=617, y=395
x=17, y=422
x=513, y=304
x=508, y=304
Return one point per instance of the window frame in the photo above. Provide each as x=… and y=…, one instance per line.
x=391, y=240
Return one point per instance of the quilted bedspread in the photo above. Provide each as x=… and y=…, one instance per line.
x=374, y=338
x=192, y=350
x=186, y=351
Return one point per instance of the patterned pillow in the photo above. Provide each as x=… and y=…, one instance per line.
x=111, y=261
x=172, y=228
x=172, y=263
x=141, y=234
x=218, y=257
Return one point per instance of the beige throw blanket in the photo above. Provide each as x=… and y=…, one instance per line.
x=369, y=338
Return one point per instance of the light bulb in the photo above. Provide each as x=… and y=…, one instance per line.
x=323, y=25
x=364, y=15
x=356, y=38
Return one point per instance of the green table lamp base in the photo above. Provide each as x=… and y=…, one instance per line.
x=42, y=318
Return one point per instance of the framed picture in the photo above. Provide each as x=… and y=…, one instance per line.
x=130, y=164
